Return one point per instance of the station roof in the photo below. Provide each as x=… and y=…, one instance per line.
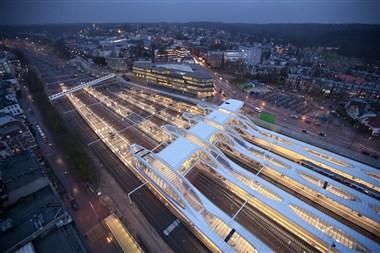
x=219, y=117
x=203, y=131
x=232, y=105
x=177, y=152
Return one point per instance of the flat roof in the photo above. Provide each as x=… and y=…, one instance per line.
x=203, y=131
x=232, y=105
x=43, y=203
x=179, y=67
x=190, y=70
x=219, y=117
x=17, y=171
x=177, y=152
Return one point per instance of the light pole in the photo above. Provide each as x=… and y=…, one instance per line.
x=130, y=193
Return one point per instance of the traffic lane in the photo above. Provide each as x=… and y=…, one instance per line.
x=85, y=217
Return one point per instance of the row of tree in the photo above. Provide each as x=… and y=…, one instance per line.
x=54, y=121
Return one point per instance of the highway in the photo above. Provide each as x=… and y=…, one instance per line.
x=262, y=226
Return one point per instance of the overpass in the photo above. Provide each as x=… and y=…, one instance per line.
x=79, y=87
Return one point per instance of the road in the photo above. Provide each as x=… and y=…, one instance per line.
x=91, y=212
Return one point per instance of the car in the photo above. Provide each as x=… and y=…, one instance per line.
x=258, y=109
x=322, y=134
x=305, y=131
x=317, y=124
x=294, y=116
x=74, y=205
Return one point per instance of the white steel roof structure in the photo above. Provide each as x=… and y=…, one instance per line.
x=225, y=127
x=176, y=153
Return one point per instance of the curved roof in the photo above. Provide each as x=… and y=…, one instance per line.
x=178, y=67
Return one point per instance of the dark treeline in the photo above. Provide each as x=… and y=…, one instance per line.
x=54, y=121
x=354, y=40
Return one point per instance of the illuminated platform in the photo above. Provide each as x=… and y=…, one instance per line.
x=223, y=133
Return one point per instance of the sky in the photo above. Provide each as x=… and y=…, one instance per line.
x=229, y=11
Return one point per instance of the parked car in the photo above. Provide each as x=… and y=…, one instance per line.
x=322, y=134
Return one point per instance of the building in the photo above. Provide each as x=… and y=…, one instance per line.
x=171, y=54
x=33, y=218
x=366, y=90
x=226, y=146
x=15, y=136
x=189, y=79
x=215, y=59
x=372, y=122
x=252, y=55
x=231, y=56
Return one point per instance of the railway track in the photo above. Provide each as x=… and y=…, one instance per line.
x=181, y=239
x=267, y=230
x=345, y=220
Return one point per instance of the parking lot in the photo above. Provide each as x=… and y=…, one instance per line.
x=296, y=104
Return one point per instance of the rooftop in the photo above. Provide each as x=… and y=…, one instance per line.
x=177, y=152
x=191, y=70
x=178, y=67
x=19, y=170
x=202, y=130
x=232, y=105
x=219, y=117
x=41, y=206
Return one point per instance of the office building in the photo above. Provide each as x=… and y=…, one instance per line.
x=189, y=79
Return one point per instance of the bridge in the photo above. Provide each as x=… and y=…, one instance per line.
x=81, y=86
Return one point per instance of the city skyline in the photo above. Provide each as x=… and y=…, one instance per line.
x=22, y=12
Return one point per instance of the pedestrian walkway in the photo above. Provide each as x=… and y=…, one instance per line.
x=123, y=237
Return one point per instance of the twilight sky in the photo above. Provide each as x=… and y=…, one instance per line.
x=246, y=11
